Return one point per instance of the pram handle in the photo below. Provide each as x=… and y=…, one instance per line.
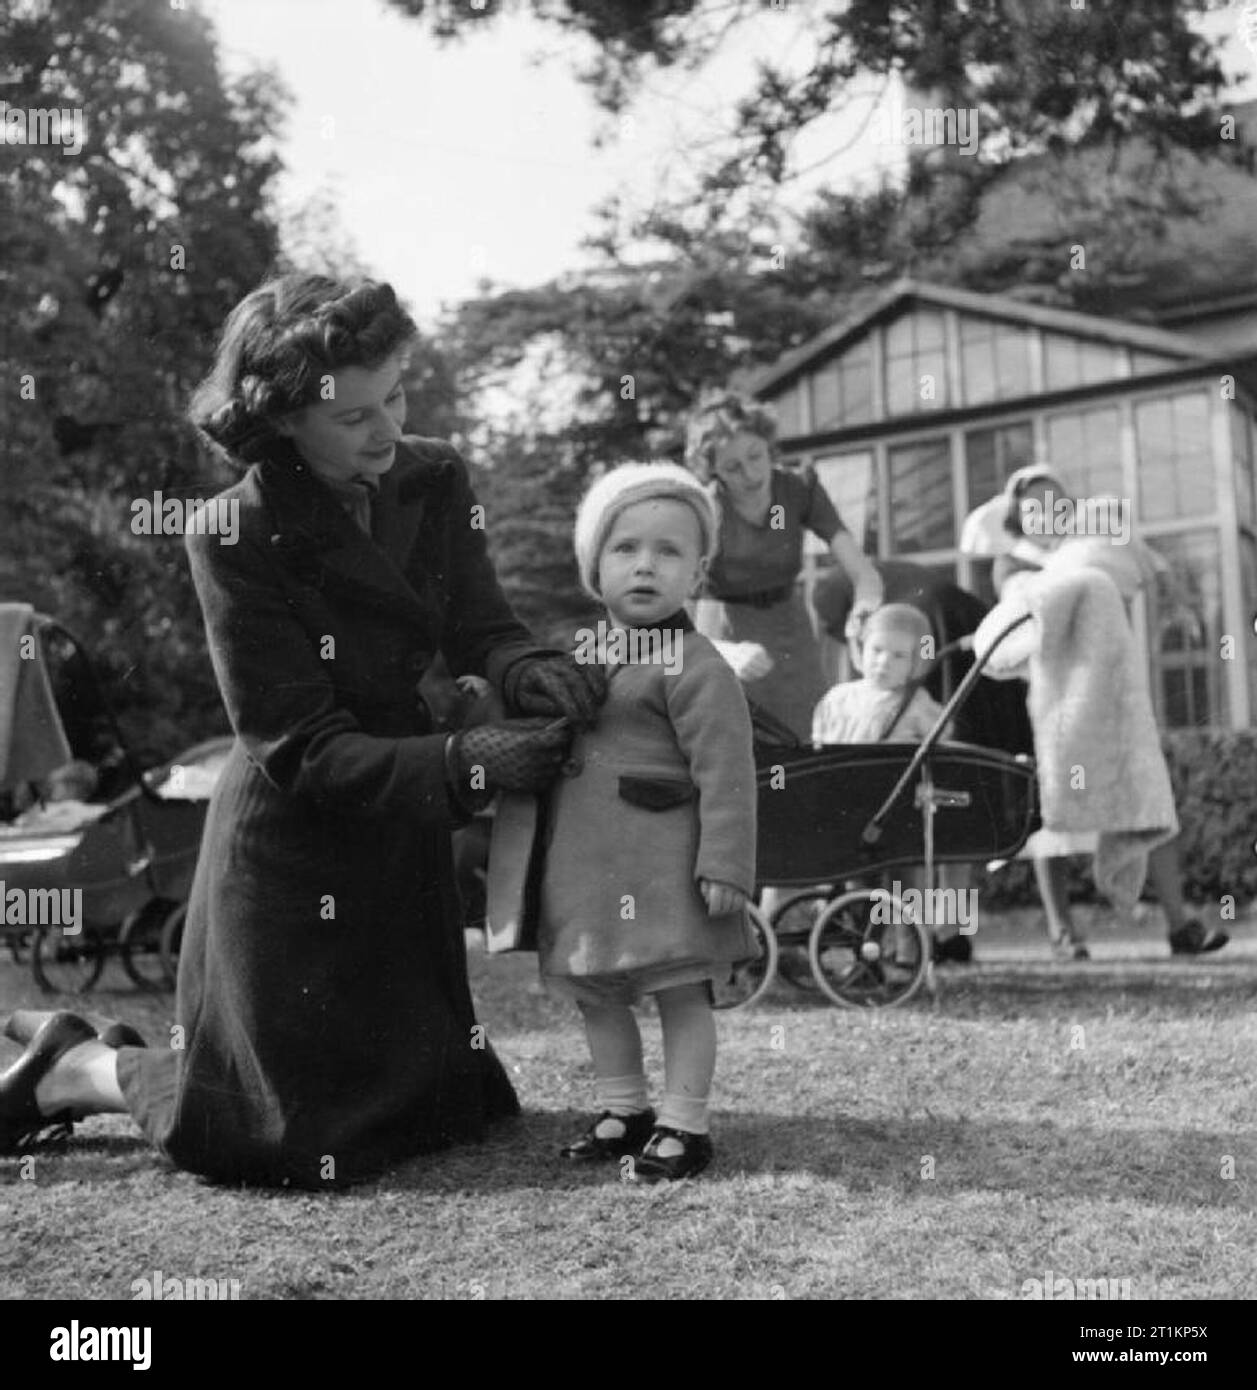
x=872, y=832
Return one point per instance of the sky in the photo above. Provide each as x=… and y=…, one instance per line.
x=476, y=159
x=452, y=163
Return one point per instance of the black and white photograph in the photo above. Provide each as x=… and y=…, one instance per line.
x=628, y=666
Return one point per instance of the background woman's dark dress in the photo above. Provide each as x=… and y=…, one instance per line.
x=322, y=980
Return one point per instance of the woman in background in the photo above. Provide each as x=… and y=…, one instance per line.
x=752, y=592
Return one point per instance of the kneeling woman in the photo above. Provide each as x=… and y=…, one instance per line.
x=325, y=1025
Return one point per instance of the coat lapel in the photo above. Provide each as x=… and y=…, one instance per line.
x=326, y=547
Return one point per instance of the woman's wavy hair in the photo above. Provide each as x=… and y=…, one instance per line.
x=277, y=345
x=718, y=416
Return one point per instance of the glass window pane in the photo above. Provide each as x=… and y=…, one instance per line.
x=1012, y=361
x=1242, y=453
x=901, y=386
x=1098, y=361
x=922, y=515
x=932, y=364
x=789, y=418
x=1143, y=363
x=1085, y=448
x=1248, y=580
x=900, y=338
x=930, y=329
x=826, y=401
x=1175, y=457
x=977, y=371
x=857, y=392
x=1184, y=631
x=992, y=456
x=851, y=481
x=1061, y=361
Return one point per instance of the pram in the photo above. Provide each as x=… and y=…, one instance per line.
x=850, y=811
x=130, y=854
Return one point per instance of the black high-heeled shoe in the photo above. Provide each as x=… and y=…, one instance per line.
x=21, y=1121
x=696, y=1153
x=23, y=1024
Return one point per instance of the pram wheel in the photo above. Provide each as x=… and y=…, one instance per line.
x=171, y=942
x=67, y=962
x=750, y=979
x=792, y=925
x=868, y=952
x=140, y=944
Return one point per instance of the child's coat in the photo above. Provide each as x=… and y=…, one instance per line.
x=663, y=795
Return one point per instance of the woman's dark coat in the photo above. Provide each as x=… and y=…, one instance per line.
x=322, y=979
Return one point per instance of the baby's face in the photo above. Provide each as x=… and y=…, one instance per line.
x=888, y=659
x=651, y=561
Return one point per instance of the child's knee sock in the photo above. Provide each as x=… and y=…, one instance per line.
x=615, y=1046
x=689, y=1052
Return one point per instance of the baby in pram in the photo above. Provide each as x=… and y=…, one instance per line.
x=893, y=652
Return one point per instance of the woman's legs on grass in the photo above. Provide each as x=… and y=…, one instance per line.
x=1052, y=876
x=84, y=1082
x=1167, y=883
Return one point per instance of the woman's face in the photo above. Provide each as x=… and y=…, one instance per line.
x=1045, y=493
x=743, y=463
x=354, y=435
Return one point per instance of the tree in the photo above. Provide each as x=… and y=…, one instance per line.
x=118, y=262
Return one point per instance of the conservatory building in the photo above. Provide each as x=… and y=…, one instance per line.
x=918, y=408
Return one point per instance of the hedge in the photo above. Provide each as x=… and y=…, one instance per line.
x=1214, y=774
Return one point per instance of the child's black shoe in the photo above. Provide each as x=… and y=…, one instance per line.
x=632, y=1133
x=695, y=1155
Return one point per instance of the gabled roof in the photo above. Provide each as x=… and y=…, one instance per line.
x=992, y=306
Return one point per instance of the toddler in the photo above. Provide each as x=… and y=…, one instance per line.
x=891, y=656
x=651, y=844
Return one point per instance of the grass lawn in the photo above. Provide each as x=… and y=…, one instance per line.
x=1076, y=1118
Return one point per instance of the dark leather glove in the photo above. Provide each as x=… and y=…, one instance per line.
x=518, y=755
x=558, y=685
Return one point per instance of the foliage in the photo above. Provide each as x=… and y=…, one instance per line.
x=117, y=266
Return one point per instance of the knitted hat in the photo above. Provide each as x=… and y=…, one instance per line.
x=904, y=620
x=622, y=487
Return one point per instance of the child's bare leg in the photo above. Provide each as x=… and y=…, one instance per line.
x=615, y=1046
x=689, y=1059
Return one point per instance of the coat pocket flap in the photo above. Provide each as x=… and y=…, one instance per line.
x=655, y=793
